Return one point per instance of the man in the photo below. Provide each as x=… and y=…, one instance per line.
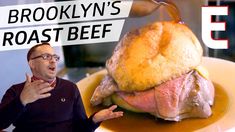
x=45, y=102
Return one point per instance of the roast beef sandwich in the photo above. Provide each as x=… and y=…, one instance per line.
x=156, y=69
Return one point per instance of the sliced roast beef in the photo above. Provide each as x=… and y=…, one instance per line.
x=187, y=96
x=106, y=88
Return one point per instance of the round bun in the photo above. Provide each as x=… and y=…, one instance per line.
x=154, y=54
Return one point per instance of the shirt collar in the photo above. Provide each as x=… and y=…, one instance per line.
x=52, y=83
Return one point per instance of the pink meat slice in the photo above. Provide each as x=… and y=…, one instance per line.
x=167, y=96
x=143, y=101
x=187, y=96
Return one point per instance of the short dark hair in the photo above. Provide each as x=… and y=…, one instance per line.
x=31, y=50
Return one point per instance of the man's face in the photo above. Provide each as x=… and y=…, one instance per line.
x=43, y=68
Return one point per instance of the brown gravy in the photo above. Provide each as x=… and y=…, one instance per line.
x=173, y=11
x=146, y=123
x=142, y=8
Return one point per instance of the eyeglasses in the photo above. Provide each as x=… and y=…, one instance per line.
x=47, y=56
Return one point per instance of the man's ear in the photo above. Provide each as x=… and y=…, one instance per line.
x=31, y=64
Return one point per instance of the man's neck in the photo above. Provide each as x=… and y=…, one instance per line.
x=46, y=80
x=52, y=82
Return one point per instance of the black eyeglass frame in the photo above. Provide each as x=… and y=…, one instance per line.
x=47, y=56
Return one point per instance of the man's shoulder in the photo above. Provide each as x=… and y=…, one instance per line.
x=65, y=82
x=67, y=85
x=18, y=86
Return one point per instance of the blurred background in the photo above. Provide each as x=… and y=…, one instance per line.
x=228, y=54
x=78, y=61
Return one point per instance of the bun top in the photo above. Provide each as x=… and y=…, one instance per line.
x=153, y=54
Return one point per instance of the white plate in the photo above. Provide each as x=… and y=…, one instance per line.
x=222, y=72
